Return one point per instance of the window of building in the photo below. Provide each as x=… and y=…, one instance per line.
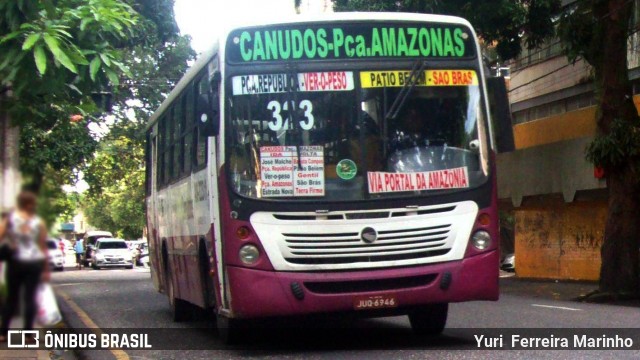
x=554, y=108
x=520, y=117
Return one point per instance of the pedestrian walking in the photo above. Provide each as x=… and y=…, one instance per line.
x=61, y=246
x=79, y=249
x=24, y=235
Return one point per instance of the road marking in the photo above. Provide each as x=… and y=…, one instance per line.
x=84, y=317
x=556, y=307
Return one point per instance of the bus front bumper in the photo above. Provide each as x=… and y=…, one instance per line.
x=257, y=293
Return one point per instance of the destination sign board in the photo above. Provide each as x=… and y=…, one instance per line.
x=398, y=78
x=341, y=40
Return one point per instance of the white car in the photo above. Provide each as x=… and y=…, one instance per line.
x=110, y=252
x=56, y=258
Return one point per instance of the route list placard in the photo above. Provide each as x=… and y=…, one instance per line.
x=283, y=176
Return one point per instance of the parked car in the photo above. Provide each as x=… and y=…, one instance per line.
x=509, y=263
x=56, y=258
x=110, y=252
x=90, y=239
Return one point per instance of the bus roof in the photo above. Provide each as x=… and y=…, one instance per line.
x=206, y=56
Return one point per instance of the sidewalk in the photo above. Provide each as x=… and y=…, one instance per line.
x=563, y=290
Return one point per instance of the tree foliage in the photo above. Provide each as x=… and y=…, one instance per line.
x=115, y=199
x=55, y=55
x=598, y=32
x=499, y=22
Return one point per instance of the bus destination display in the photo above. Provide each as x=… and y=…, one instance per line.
x=350, y=41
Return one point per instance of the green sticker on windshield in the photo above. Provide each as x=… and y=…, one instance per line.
x=346, y=169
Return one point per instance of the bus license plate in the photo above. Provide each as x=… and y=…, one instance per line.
x=374, y=302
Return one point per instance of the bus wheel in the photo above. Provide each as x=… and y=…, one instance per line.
x=429, y=320
x=228, y=329
x=180, y=309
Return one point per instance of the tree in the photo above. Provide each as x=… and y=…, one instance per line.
x=55, y=54
x=499, y=22
x=115, y=199
x=598, y=31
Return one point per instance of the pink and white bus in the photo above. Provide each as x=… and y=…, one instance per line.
x=338, y=164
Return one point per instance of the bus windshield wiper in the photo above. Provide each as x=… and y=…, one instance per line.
x=409, y=85
x=292, y=99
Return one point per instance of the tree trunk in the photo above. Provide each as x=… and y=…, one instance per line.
x=619, y=271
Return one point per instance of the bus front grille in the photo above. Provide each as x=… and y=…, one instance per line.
x=365, y=239
x=348, y=247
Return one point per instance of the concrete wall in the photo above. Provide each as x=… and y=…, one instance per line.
x=558, y=240
x=556, y=168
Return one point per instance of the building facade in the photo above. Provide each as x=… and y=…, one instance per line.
x=557, y=199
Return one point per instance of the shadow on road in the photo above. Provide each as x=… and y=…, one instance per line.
x=321, y=334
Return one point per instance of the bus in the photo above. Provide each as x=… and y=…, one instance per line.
x=340, y=164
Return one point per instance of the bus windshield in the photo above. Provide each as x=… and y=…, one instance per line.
x=315, y=136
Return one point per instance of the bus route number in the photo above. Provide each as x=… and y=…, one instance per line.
x=278, y=123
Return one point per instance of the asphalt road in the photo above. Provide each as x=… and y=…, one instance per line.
x=126, y=299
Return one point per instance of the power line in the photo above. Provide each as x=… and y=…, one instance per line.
x=541, y=77
x=558, y=41
x=559, y=78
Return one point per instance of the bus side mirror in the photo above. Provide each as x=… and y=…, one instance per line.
x=500, y=114
x=208, y=109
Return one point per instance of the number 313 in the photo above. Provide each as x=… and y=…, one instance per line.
x=278, y=122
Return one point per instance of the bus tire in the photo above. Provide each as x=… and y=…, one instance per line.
x=429, y=320
x=180, y=309
x=228, y=329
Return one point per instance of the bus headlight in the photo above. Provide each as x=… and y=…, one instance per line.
x=249, y=254
x=481, y=240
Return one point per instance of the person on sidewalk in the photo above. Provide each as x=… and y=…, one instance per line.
x=26, y=236
x=79, y=249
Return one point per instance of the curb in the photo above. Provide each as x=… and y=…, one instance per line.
x=72, y=321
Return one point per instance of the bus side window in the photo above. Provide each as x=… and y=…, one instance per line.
x=168, y=155
x=148, y=159
x=203, y=91
x=500, y=114
x=178, y=119
x=160, y=153
x=189, y=123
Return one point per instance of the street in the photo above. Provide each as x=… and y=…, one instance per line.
x=126, y=299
